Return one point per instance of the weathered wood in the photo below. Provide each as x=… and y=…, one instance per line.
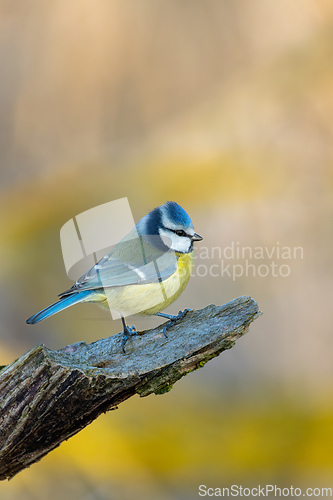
x=47, y=396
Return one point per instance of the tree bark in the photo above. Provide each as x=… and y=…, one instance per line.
x=47, y=396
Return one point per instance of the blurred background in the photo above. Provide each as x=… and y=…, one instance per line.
x=227, y=108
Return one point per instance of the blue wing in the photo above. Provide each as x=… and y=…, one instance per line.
x=135, y=260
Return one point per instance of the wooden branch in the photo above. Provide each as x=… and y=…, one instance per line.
x=47, y=396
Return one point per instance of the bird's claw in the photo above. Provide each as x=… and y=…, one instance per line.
x=173, y=320
x=129, y=331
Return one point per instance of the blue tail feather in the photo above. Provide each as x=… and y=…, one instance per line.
x=63, y=303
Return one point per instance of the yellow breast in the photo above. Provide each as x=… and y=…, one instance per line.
x=153, y=297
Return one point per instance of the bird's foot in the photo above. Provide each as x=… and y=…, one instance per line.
x=173, y=319
x=129, y=331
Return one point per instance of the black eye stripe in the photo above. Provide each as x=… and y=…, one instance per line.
x=179, y=232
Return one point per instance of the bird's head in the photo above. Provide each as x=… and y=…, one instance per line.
x=172, y=225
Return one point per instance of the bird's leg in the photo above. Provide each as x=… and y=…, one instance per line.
x=129, y=331
x=172, y=319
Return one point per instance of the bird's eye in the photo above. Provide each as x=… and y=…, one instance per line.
x=180, y=232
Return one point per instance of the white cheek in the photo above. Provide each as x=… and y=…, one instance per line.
x=166, y=237
x=176, y=243
x=182, y=244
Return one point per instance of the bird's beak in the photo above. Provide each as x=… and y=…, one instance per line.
x=196, y=237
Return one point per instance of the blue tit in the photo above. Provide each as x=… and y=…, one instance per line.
x=143, y=274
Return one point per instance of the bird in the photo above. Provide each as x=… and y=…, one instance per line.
x=142, y=275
